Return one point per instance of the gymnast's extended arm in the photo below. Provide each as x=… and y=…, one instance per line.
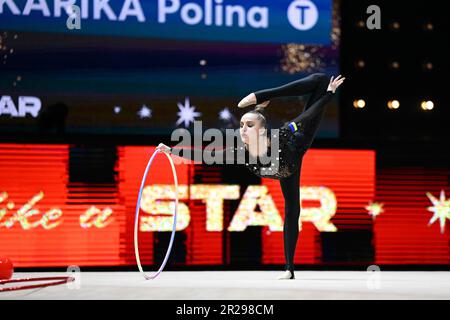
x=207, y=156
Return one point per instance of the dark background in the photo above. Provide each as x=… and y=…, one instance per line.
x=406, y=137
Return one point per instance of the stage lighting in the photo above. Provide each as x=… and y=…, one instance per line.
x=360, y=103
x=427, y=105
x=395, y=25
x=360, y=64
x=393, y=104
x=395, y=65
x=428, y=26
x=427, y=65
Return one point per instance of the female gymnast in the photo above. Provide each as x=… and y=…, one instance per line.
x=295, y=137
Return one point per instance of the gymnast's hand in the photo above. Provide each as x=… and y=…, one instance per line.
x=334, y=84
x=163, y=148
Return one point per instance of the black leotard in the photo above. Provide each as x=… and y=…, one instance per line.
x=292, y=147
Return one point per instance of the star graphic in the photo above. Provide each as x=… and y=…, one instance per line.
x=441, y=209
x=374, y=208
x=117, y=109
x=145, y=112
x=186, y=113
x=225, y=114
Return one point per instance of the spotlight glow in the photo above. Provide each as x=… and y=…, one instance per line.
x=395, y=64
x=428, y=66
x=360, y=63
x=393, y=104
x=428, y=26
x=395, y=25
x=360, y=103
x=427, y=105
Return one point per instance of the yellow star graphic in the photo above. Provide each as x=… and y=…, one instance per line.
x=374, y=208
x=441, y=209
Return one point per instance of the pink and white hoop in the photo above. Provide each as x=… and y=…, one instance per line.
x=136, y=222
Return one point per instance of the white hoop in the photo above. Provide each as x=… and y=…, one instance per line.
x=136, y=222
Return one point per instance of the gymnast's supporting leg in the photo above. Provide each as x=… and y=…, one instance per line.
x=311, y=84
x=290, y=187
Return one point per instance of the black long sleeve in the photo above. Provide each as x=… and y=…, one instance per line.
x=211, y=155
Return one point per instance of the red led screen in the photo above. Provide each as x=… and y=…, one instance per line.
x=63, y=205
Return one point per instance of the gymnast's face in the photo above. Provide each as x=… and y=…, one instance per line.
x=250, y=128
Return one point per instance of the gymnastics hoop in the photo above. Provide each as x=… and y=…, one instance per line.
x=136, y=221
x=54, y=281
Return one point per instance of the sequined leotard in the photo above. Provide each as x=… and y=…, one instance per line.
x=292, y=144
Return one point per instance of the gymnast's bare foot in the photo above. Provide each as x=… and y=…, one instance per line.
x=287, y=275
x=250, y=100
x=247, y=101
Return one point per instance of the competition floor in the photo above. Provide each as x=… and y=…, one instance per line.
x=236, y=285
